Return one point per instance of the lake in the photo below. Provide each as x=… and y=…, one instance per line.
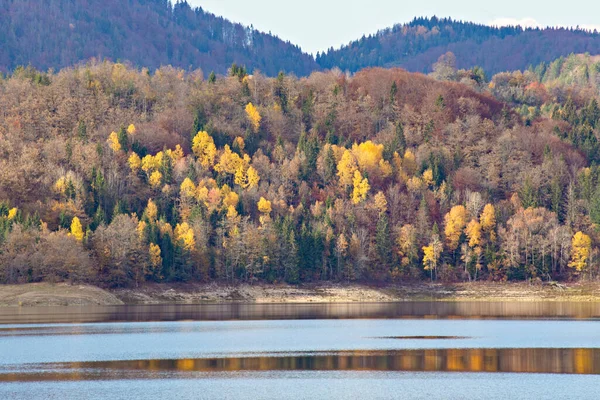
x=428, y=350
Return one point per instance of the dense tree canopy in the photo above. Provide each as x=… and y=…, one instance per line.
x=147, y=33
x=383, y=176
x=417, y=46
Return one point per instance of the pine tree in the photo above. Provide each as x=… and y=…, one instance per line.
x=383, y=243
x=212, y=78
x=200, y=122
x=123, y=139
x=595, y=207
x=280, y=92
x=82, y=131
x=330, y=165
x=393, y=92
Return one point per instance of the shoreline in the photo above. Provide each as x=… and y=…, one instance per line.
x=64, y=294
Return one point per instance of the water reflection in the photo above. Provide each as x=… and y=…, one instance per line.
x=559, y=361
x=236, y=311
x=421, y=337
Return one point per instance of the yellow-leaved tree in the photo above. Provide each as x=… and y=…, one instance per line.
x=361, y=188
x=176, y=154
x=253, y=116
x=581, y=248
x=264, y=206
x=428, y=177
x=135, y=162
x=185, y=236
x=369, y=157
x=77, y=229
x=155, y=256
x=252, y=178
x=230, y=199
x=188, y=189
x=229, y=162
x=151, y=163
x=455, y=222
x=431, y=255
x=155, y=179
x=141, y=229
x=407, y=244
x=473, y=232
x=409, y=163
x=203, y=146
x=113, y=142
x=487, y=219
x=151, y=211
x=131, y=129
x=245, y=175
x=472, y=249
x=12, y=213
x=346, y=168
x=380, y=202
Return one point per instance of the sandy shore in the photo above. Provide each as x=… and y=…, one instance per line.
x=37, y=294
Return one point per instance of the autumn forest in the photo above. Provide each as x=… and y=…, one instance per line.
x=116, y=176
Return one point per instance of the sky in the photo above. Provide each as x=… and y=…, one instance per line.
x=316, y=25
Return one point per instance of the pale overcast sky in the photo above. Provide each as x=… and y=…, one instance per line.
x=316, y=25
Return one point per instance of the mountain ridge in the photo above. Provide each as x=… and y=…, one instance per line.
x=496, y=49
x=148, y=33
x=151, y=33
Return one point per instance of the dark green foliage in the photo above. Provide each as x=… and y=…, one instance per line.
x=212, y=78
x=393, y=92
x=123, y=139
x=397, y=145
x=383, y=243
x=238, y=70
x=147, y=33
x=528, y=194
x=280, y=92
x=290, y=259
x=330, y=165
x=556, y=198
x=595, y=207
x=199, y=122
x=82, y=131
x=480, y=47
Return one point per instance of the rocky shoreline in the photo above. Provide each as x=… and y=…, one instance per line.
x=62, y=294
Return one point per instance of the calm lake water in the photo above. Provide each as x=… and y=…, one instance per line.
x=373, y=351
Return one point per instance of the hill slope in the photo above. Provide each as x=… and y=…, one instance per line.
x=418, y=44
x=148, y=33
x=385, y=176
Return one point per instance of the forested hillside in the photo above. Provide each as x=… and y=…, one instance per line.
x=148, y=33
x=417, y=45
x=154, y=33
x=116, y=176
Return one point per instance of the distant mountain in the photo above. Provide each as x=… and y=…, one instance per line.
x=417, y=45
x=148, y=33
